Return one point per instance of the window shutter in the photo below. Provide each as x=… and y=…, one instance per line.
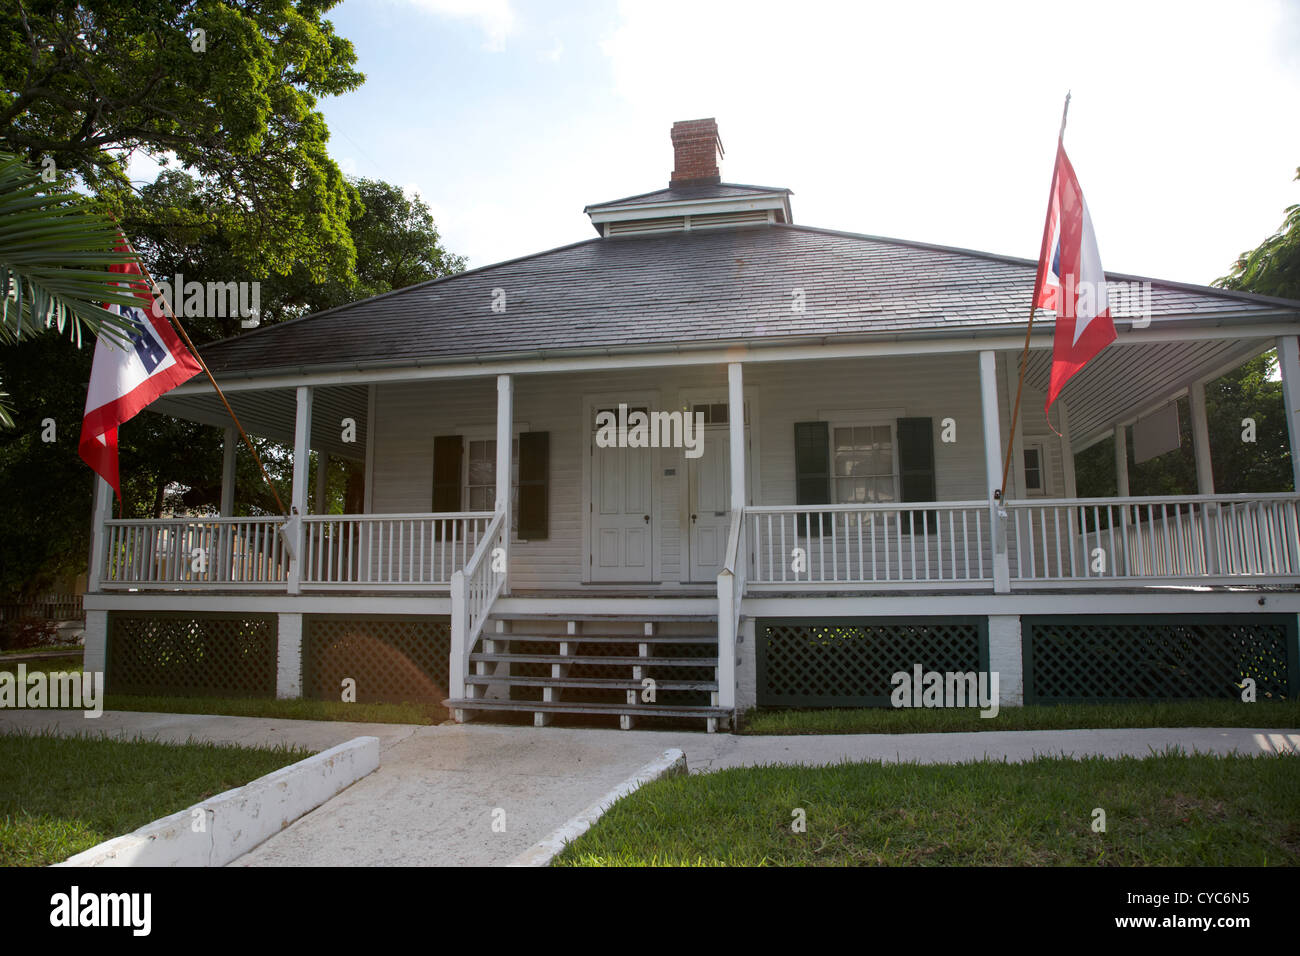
x=534, y=485
x=916, y=467
x=447, y=451
x=812, y=463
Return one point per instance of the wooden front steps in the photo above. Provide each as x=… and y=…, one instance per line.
x=632, y=666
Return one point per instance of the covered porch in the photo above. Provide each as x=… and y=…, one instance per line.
x=1035, y=539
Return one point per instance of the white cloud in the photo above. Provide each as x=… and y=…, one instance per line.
x=496, y=17
x=554, y=54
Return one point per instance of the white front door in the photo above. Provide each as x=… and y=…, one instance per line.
x=622, y=521
x=710, y=494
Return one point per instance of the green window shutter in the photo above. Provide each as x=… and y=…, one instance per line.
x=916, y=467
x=534, y=485
x=812, y=466
x=447, y=452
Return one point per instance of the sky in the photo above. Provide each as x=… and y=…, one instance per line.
x=934, y=122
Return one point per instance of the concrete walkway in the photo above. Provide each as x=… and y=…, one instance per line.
x=439, y=790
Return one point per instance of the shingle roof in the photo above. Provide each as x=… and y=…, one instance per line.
x=711, y=286
x=689, y=194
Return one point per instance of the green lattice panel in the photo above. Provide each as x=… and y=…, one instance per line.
x=1082, y=659
x=849, y=663
x=192, y=655
x=392, y=659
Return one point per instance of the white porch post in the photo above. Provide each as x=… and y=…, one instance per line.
x=1011, y=365
x=368, y=506
x=1067, y=453
x=1288, y=360
x=728, y=612
x=993, y=467
x=736, y=427
x=1006, y=658
x=1121, y=461
x=1200, y=439
x=505, y=442
x=322, y=481
x=288, y=668
x=228, y=474
x=301, y=462
x=102, y=511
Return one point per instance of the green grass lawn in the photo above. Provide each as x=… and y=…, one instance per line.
x=62, y=795
x=406, y=713
x=907, y=720
x=72, y=649
x=1168, y=810
x=46, y=665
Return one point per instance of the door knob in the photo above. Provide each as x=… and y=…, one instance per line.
x=693, y=517
x=647, y=518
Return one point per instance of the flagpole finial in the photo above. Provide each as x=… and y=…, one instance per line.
x=1065, y=110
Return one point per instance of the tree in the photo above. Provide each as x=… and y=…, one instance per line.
x=178, y=228
x=1273, y=267
x=228, y=89
x=46, y=532
x=1249, y=393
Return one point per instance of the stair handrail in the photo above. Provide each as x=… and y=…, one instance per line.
x=473, y=591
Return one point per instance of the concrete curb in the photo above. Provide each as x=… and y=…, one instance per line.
x=224, y=827
x=542, y=853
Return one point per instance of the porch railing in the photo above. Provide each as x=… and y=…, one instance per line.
x=389, y=551
x=931, y=544
x=473, y=591
x=194, y=552
x=1211, y=538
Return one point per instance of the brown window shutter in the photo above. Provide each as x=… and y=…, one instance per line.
x=534, y=486
x=447, y=452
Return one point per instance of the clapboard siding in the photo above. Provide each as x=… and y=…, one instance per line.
x=408, y=416
x=936, y=387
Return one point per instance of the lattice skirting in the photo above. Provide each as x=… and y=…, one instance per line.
x=849, y=662
x=392, y=659
x=1080, y=659
x=191, y=655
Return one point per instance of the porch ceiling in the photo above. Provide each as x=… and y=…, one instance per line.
x=270, y=413
x=1125, y=381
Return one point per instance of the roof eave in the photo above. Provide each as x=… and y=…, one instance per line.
x=963, y=333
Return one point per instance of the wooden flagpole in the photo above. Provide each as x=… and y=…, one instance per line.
x=222, y=395
x=1033, y=303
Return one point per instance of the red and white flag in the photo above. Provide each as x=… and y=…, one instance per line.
x=1070, y=280
x=124, y=378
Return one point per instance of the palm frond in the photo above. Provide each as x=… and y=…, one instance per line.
x=55, y=254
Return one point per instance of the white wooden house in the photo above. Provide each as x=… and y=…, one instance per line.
x=833, y=524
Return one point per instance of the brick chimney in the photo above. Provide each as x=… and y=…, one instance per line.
x=696, y=148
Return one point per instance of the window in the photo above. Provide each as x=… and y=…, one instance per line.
x=1035, y=469
x=862, y=464
x=866, y=463
x=716, y=413
x=481, y=475
x=465, y=479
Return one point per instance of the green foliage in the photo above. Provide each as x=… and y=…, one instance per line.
x=166, y=463
x=55, y=251
x=1273, y=267
x=179, y=228
x=88, y=83
x=1250, y=391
